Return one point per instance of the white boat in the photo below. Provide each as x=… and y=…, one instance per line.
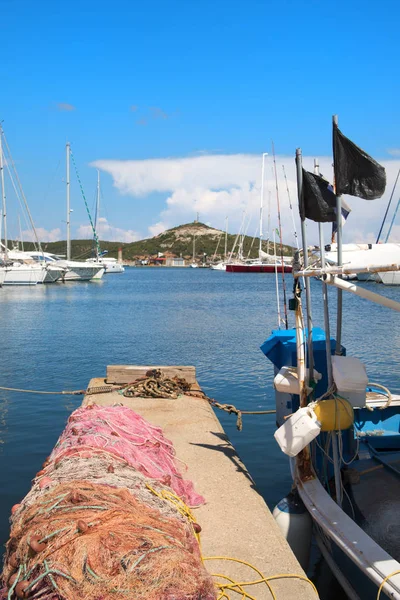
x=19, y=267
x=77, y=270
x=219, y=266
x=19, y=273
x=70, y=270
x=111, y=265
x=366, y=255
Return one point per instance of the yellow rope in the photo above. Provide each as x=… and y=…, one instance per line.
x=234, y=586
x=385, y=581
x=179, y=505
x=240, y=584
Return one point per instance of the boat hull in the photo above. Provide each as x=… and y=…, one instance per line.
x=24, y=275
x=238, y=268
x=84, y=273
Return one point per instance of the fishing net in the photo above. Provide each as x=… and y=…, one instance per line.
x=89, y=541
x=107, y=518
x=104, y=469
x=121, y=432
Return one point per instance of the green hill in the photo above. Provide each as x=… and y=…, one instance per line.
x=178, y=241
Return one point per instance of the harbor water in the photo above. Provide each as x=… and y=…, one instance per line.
x=56, y=337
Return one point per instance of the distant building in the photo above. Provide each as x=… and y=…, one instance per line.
x=175, y=262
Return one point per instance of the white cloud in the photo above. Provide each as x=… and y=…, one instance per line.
x=217, y=186
x=394, y=151
x=43, y=234
x=157, y=228
x=108, y=233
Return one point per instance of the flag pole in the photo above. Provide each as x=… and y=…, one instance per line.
x=324, y=295
x=338, y=350
x=299, y=170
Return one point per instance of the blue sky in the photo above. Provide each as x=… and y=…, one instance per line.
x=133, y=81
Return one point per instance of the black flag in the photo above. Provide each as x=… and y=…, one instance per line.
x=356, y=173
x=319, y=201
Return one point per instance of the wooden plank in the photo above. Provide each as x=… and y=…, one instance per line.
x=120, y=374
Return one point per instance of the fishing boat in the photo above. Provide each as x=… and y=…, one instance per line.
x=341, y=431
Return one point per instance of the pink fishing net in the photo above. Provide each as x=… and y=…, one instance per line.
x=121, y=432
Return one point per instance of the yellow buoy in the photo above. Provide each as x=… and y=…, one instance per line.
x=334, y=414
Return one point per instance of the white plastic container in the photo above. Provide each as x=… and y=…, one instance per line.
x=351, y=379
x=297, y=431
x=287, y=380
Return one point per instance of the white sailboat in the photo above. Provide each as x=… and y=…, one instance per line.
x=111, y=265
x=362, y=256
x=221, y=266
x=193, y=264
x=18, y=268
x=77, y=270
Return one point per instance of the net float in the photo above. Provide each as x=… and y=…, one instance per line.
x=40, y=473
x=110, y=469
x=45, y=482
x=196, y=527
x=15, y=508
x=11, y=579
x=13, y=560
x=20, y=589
x=82, y=526
x=36, y=545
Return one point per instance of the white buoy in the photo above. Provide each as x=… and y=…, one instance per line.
x=295, y=523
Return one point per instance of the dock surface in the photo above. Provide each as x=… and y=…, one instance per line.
x=235, y=520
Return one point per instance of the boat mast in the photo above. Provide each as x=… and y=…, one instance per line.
x=325, y=296
x=194, y=245
x=67, y=148
x=280, y=239
x=226, y=237
x=262, y=203
x=387, y=210
x=269, y=222
x=20, y=233
x=3, y=195
x=299, y=170
x=97, y=210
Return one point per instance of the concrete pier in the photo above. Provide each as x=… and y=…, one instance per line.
x=235, y=520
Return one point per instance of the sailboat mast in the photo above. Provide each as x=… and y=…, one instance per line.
x=3, y=195
x=97, y=211
x=67, y=148
x=194, y=245
x=269, y=222
x=226, y=237
x=262, y=203
x=20, y=233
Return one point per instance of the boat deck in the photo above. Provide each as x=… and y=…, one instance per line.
x=235, y=520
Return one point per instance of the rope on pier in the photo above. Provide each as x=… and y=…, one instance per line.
x=65, y=393
x=155, y=385
x=238, y=586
